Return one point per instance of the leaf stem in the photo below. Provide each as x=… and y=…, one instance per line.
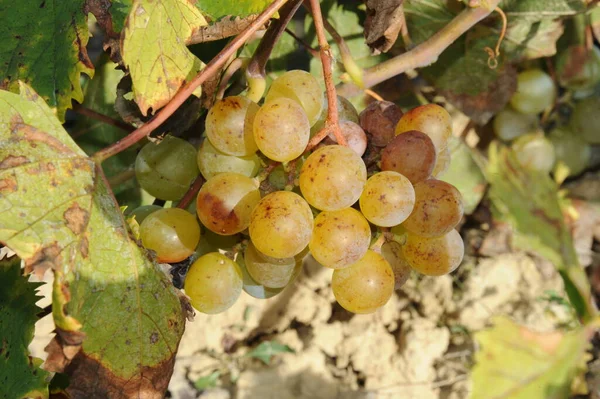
x=425, y=53
x=331, y=123
x=211, y=68
x=256, y=70
x=81, y=110
x=302, y=42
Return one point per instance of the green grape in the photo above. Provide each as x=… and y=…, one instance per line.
x=212, y=162
x=340, y=238
x=270, y=272
x=281, y=129
x=578, y=68
x=510, y=124
x=229, y=126
x=281, y=224
x=535, y=92
x=252, y=287
x=172, y=233
x=570, y=149
x=141, y=212
x=213, y=283
x=303, y=88
x=392, y=252
x=430, y=119
x=346, y=112
x=438, y=209
x=332, y=178
x=356, y=139
x=379, y=119
x=434, y=256
x=225, y=202
x=412, y=154
x=166, y=170
x=585, y=120
x=535, y=152
x=442, y=163
x=388, y=199
x=364, y=286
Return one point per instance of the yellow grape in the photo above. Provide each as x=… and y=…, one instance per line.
x=281, y=129
x=438, y=209
x=388, y=199
x=364, y=286
x=434, y=256
x=172, y=233
x=270, y=272
x=340, y=238
x=301, y=87
x=225, y=202
x=392, y=252
x=251, y=286
x=229, y=125
x=332, y=178
x=212, y=162
x=281, y=224
x=430, y=119
x=213, y=283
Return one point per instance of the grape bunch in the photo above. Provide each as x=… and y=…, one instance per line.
x=540, y=142
x=371, y=224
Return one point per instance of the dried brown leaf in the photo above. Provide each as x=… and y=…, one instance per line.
x=383, y=23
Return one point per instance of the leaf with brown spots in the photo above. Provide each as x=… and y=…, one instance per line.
x=43, y=43
x=56, y=212
x=529, y=201
x=153, y=48
x=517, y=363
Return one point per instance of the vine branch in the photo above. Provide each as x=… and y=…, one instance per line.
x=425, y=53
x=331, y=123
x=211, y=68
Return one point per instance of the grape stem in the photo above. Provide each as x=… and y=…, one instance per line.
x=331, y=123
x=191, y=193
x=312, y=51
x=231, y=69
x=256, y=68
x=81, y=110
x=210, y=70
x=425, y=53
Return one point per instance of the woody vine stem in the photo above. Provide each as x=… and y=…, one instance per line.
x=422, y=55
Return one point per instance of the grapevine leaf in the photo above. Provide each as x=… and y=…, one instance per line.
x=216, y=9
x=266, y=350
x=92, y=135
x=43, y=43
x=20, y=374
x=208, y=381
x=119, y=10
x=595, y=22
x=529, y=200
x=57, y=212
x=542, y=9
x=517, y=363
x=154, y=49
x=465, y=174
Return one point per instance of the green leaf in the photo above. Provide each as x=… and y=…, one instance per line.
x=119, y=9
x=20, y=374
x=529, y=200
x=465, y=174
x=154, y=49
x=43, y=44
x=208, y=381
x=517, y=363
x=541, y=9
x=267, y=349
x=57, y=212
x=92, y=135
x=216, y=9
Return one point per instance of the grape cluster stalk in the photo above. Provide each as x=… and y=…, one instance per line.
x=238, y=236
